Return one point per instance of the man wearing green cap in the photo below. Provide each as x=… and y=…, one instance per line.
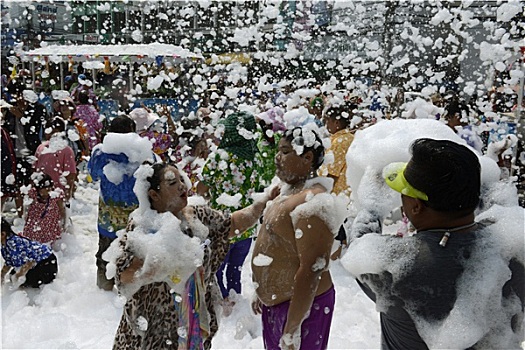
x=456, y=283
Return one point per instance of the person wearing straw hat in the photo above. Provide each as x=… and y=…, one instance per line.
x=151, y=126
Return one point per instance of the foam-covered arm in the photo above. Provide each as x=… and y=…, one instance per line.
x=496, y=149
x=365, y=222
x=374, y=195
x=245, y=218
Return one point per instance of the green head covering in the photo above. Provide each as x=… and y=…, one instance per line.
x=234, y=142
x=317, y=102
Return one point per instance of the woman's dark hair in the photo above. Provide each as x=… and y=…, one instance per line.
x=456, y=106
x=122, y=125
x=337, y=112
x=449, y=173
x=6, y=227
x=58, y=124
x=189, y=123
x=265, y=127
x=190, y=134
x=156, y=178
x=83, y=97
x=296, y=136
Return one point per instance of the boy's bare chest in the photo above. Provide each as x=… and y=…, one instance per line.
x=277, y=215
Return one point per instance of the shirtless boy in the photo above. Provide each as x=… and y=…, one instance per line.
x=292, y=252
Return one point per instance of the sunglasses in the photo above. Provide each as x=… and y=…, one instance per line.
x=395, y=178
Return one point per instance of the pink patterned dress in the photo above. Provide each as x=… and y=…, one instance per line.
x=43, y=218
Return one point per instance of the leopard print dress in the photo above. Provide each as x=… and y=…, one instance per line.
x=149, y=320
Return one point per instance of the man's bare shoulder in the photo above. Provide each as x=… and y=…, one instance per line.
x=288, y=202
x=304, y=195
x=317, y=188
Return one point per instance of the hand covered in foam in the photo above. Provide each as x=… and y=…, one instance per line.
x=495, y=149
x=365, y=222
x=374, y=195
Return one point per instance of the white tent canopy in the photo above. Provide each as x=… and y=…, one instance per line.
x=92, y=54
x=115, y=53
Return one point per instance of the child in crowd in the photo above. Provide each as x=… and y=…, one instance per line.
x=459, y=118
x=31, y=263
x=46, y=213
x=337, y=120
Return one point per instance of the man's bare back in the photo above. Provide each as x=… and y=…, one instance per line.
x=277, y=241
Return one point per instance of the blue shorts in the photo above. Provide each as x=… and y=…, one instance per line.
x=314, y=330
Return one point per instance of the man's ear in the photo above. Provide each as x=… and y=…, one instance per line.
x=418, y=207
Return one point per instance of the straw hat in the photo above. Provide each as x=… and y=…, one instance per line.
x=143, y=119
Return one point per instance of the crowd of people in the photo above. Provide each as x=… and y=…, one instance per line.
x=268, y=168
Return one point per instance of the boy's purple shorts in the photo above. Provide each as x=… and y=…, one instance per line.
x=314, y=330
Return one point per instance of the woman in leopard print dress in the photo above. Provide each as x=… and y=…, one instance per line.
x=150, y=319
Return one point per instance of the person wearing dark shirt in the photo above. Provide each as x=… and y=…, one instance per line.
x=455, y=283
x=24, y=123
